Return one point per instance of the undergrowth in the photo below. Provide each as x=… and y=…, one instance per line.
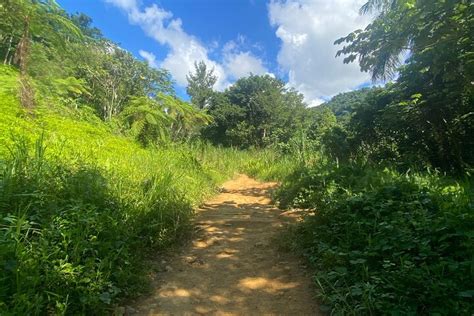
x=384, y=242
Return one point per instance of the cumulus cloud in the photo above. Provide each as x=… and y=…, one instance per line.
x=238, y=63
x=307, y=30
x=185, y=49
x=149, y=57
x=242, y=64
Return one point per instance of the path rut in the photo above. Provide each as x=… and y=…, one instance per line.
x=232, y=267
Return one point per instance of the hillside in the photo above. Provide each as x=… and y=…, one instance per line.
x=72, y=187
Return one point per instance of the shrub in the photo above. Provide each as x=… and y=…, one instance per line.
x=382, y=242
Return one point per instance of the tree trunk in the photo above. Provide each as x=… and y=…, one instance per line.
x=22, y=50
x=5, y=61
x=21, y=57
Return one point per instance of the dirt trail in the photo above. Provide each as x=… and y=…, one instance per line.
x=232, y=267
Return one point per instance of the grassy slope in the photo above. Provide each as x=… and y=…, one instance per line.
x=96, y=201
x=76, y=137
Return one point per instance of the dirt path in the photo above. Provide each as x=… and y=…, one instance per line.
x=232, y=267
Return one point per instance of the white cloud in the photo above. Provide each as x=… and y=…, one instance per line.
x=242, y=64
x=307, y=30
x=124, y=4
x=185, y=49
x=149, y=57
x=315, y=102
x=239, y=63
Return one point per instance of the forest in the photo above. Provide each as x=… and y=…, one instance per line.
x=103, y=164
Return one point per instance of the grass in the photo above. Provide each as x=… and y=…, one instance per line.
x=267, y=165
x=81, y=206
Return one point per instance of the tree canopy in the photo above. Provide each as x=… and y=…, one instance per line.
x=429, y=110
x=254, y=111
x=200, y=84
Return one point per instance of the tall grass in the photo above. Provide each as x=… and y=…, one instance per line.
x=74, y=231
x=81, y=206
x=267, y=164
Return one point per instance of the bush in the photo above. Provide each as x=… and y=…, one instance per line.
x=386, y=243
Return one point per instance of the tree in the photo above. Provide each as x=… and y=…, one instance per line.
x=187, y=119
x=84, y=23
x=270, y=108
x=255, y=111
x=421, y=27
x=146, y=120
x=200, y=84
x=433, y=94
x=322, y=120
x=28, y=20
x=116, y=77
x=345, y=104
x=225, y=118
x=161, y=118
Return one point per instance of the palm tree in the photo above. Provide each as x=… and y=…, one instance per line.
x=159, y=118
x=187, y=118
x=46, y=22
x=147, y=120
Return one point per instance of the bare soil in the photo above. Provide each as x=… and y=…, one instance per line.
x=232, y=266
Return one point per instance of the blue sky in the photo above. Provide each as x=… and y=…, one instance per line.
x=291, y=39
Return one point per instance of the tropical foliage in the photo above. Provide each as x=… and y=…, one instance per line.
x=82, y=207
x=389, y=226
x=200, y=85
x=101, y=163
x=430, y=108
x=255, y=111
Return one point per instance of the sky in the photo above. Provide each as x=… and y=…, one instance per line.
x=290, y=39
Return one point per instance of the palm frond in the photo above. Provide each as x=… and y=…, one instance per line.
x=372, y=6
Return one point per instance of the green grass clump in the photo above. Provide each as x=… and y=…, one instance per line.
x=269, y=165
x=81, y=206
x=382, y=242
